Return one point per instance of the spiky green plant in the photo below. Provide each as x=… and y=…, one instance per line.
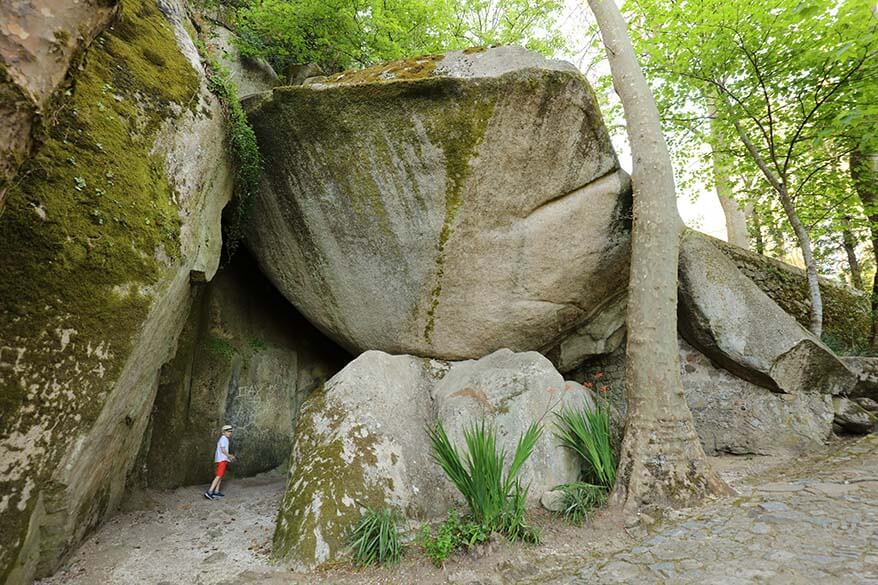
x=376, y=539
x=587, y=432
x=495, y=499
x=580, y=499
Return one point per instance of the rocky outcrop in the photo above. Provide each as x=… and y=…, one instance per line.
x=415, y=207
x=866, y=370
x=851, y=418
x=39, y=41
x=99, y=236
x=245, y=358
x=846, y=310
x=727, y=317
x=249, y=75
x=363, y=442
x=731, y=415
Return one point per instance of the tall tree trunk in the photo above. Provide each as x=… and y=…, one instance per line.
x=816, y=325
x=756, y=231
x=864, y=172
x=736, y=221
x=850, y=249
x=780, y=186
x=662, y=462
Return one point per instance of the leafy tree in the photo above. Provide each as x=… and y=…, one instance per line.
x=339, y=34
x=661, y=462
x=788, y=85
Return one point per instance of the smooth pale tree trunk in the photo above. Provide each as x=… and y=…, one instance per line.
x=850, y=249
x=779, y=184
x=864, y=172
x=736, y=221
x=662, y=462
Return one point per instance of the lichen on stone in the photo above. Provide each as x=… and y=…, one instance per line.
x=89, y=229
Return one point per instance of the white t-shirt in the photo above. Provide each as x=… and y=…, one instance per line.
x=223, y=443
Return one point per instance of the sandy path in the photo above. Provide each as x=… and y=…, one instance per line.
x=179, y=538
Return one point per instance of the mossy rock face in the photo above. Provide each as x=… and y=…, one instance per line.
x=732, y=321
x=41, y=40
x=362, y=442
x=99, y=233
x=846, y=311
x=442, y=206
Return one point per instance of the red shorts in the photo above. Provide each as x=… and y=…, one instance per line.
x=221, y=468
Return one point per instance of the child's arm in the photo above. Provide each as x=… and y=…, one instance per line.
x=227, y=454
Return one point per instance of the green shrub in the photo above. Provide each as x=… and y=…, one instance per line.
x=580, y=499
x=495, y=499
x=587, y=432
x=453, y=534
x=376, y=539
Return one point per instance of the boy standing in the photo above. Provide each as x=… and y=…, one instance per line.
x=221, y=458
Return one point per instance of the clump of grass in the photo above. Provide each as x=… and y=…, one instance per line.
x=453, y=534
x=587, y=433
x=579, y=499
x=375, y=539
x=496, y=499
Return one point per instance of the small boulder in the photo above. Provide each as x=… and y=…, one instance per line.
x=553, y=500
x=851, y=418
x=866, y=371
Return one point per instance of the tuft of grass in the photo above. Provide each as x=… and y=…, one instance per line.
x=375, y=539
x=495, y=499
x=453, y=534
x=580, y=499
x=587, y=432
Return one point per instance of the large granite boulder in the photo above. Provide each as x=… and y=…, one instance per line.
x=100, y=233
x=363, y=441
x=250, y=75
x=245, y=358
x=726, y=316
x=39, y=41
x=731, y=415
x=866, y=370
x=443, y=206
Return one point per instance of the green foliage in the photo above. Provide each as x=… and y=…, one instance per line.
x=795, y=79
x=453, y=534
x=221, y=347
x=247, y=160
x=580, y=499
x=587, y=433
x=376, y=540
x=339, y=34
x=495, y=499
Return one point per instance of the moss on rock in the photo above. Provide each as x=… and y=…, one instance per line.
x=89, y=230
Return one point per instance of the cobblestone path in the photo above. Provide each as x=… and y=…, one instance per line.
x=815, y=522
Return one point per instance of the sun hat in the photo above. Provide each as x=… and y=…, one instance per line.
x=227, y=428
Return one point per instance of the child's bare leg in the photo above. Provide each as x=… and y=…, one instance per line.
x=214, y=486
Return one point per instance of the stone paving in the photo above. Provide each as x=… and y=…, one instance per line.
x=815, y=522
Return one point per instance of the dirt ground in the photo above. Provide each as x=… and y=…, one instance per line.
x=178, y=537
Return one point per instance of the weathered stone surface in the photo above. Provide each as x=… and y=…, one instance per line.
x=122, y=200
x=726, y=316
x=731, y=415
x=245, y=358
x=513, y=390
x=867, y=403
x=846, y=310
x=415, y=207
x=363, y=442
x=553, y=500
x=250, y=75
x=602, y=333
x=866, y=370
x=39, y=39
x=851, y=418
